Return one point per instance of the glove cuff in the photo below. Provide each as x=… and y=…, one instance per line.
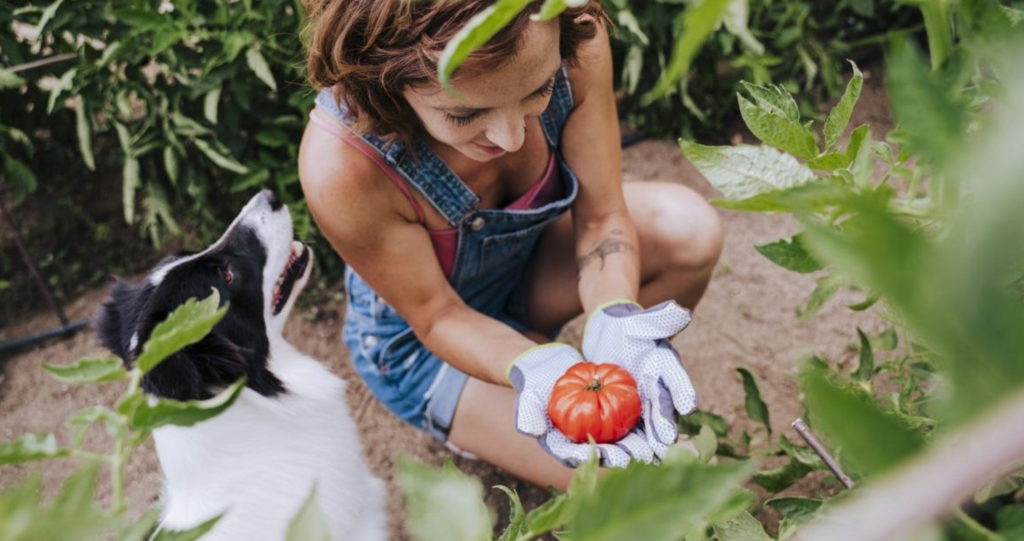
x=530, y=355
x=627, y=306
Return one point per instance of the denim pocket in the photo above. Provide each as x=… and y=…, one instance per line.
x=508, y=251
x=364, y=301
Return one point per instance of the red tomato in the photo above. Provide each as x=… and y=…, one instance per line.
x=599, y=400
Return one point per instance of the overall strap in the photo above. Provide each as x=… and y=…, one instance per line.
x=553, y=118
x=424, y=169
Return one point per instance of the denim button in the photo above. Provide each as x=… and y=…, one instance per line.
x=478, y=223
x=371, y=340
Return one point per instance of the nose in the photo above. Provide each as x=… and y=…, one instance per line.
x=271, y=198
x=508, y=133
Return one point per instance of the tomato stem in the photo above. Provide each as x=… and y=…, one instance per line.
x=594, y=385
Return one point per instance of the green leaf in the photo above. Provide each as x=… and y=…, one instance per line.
x=154, y=412
x=551, y=514
x=743, y=527
x=309, y=524
x=139, y=529
x=30, y=447
x=744, y=171
x=858, y=136
x=83, y=419
x=47, y=16
x=964, y=528
x=184, y=125
x=517, y=518
x=830, y=161
x=84, y=131
x=778, y=130
x=698, y=22
x=130, y=174
x=887, y=339
x=441, y=505
x=866, y=368
x=1010, y=522
x=9, y=80
x=258, y=64
x=839, y=117
x=171, y=164
x=553, y=8
x=790, y=254
x=142, y=20
x=191, y=534
x=871, y=440
x=783, y=477
x=804, y=455
x=756, y=409
x=186, y=325
x=17, y=171
x=933, y=118
x=795, y=512
x=736, y=18
x=826, y=288
x=475, y=34
x=707, y=444
x=87, y=371
x=225, y=162
x=66, y=82
x=658, y=503
x=692, y=423
x=210, y=102
x=775, y=99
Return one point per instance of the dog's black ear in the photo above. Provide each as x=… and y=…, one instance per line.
x=116, y=321
x=202, y=369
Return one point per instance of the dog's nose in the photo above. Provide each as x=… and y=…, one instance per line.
x=271, y=197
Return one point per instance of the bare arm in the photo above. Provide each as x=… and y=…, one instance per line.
x=607, y=247
x=371, y=225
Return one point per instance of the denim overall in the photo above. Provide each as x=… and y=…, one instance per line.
x=491, y=259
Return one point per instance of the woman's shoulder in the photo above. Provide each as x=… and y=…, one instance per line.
x=344, y=187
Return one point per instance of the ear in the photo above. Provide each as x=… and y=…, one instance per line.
x=116, y=321
x=193, y=372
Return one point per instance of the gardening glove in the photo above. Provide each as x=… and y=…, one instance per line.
x=533, y=375
x=624, y=333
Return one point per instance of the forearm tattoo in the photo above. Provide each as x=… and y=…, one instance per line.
x=607, y=247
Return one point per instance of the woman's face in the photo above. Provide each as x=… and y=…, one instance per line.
x=485, y=117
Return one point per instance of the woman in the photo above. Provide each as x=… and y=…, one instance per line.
x=460, y=261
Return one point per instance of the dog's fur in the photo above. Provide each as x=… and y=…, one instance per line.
x=288, y=431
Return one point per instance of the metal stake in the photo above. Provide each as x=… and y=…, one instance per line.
x=808, y=437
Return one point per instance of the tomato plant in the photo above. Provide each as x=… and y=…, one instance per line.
x=596, y=400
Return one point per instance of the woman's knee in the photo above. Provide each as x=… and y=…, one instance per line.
x=687, y=228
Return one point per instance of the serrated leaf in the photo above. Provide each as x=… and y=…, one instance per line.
x=517, y=518
x=745, y=171
x=258, y=64
x=783, y=477
x=698, y=22
x=30, y=447
x=87, y=371
x=475, y=34
x=839, y=117
x=871, y=440
x=309, y=524
x=443, y=505
x=790, y=255
x=756, y=409
x=778, y=130
x=707, y=444
x=795, y=512
x=154, y=412
x=866, y=367
x=826, y=288
x=186, y=325
x=225, y=162
x=775, y=99
x=743, y=527
x=830, y=161
x=658, y=503
x=191, y=534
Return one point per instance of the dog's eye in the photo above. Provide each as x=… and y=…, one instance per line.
x=227, y=274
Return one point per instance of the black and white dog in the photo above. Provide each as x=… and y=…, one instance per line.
x=290, y=429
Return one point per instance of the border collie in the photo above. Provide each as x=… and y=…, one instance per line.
x=288, y=431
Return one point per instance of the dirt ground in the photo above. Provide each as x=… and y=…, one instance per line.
x=747, y=319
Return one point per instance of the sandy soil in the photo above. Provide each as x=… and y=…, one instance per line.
x=747, y=319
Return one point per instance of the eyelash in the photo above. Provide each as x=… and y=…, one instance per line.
x=468, y=119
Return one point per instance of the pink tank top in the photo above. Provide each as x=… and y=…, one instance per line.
x=445, y=241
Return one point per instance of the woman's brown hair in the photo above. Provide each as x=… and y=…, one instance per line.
x=369, y=51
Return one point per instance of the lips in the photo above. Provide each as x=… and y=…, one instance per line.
x=293, y=270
